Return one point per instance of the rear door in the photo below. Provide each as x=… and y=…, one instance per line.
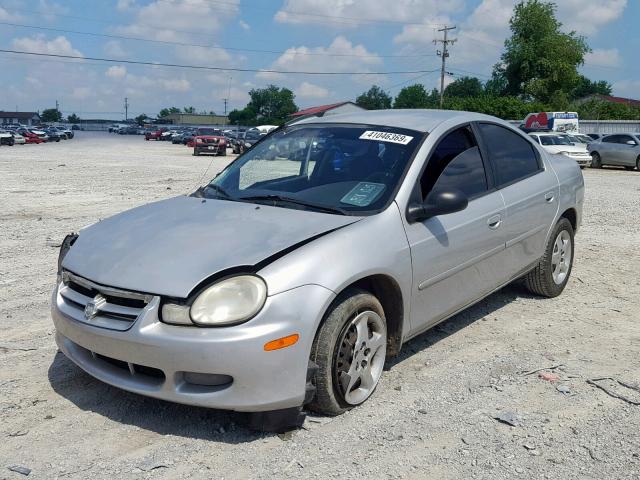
x=609, y=149
x=455, y=257
x=529, y=189
x=627, y=153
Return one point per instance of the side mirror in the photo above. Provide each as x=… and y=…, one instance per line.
x=438, y=202
x=631, y=142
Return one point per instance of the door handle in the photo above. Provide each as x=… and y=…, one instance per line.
x=549, y=197
x=494, y=222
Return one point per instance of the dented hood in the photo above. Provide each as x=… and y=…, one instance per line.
x=169, y=247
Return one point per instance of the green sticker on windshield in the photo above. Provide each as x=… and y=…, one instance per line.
x=363, y=194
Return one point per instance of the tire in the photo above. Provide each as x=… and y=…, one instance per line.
x=545, y=280
x=596, y=160
x=638, y=164
x=335, y=346
x=629, y=168
x=196, y=153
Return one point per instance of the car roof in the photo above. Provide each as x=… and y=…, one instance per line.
x=421, y=120
x=549, y=134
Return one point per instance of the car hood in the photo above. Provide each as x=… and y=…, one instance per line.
x=565, y=148
x=169, y=247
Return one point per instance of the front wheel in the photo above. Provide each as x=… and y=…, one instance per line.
x=350, y=350
x=551, y=275
x=596, y=160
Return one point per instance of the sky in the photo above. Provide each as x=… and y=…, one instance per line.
x=365, y=41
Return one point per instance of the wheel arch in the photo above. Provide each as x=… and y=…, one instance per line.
x=572, y=215
x=389, y=294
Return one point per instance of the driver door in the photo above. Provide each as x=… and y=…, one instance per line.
x=456, y=257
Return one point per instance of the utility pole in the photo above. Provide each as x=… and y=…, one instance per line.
x=126, y=109
x=57, y=108
x=444, y=54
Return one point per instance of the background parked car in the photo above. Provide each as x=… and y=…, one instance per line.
x=247, y=140
x=562, y=144
x=621, y=149
x=6, y=138
x=18, y=139
x=53, y=135
x=595, y=136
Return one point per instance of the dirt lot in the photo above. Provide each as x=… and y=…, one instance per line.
x=431, y=417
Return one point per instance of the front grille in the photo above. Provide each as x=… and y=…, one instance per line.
x=99, y=305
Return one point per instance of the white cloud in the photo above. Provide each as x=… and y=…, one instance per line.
x=117, y=71
x=627, y=88
x=175, y=85
x=588, y=16
x=602, y=57
x=245, y=26
x=113, y=48
x=349, y=12
x=38, y=43
x=5, y=16
x=81, y=93
x=124, y=5
x=172, y=20
x=340, y=56
x=311, y=91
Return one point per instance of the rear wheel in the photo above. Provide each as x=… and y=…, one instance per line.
x=551, y=275
x=596, y=160
x=350, y=350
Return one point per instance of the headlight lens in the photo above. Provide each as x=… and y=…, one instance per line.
x=230, y=301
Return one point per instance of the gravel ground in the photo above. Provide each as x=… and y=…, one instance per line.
x=433, y=415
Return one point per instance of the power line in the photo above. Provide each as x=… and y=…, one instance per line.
x=203, y=67
x=215, y=47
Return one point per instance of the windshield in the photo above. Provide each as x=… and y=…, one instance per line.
x=252, y=135
x=580, y=139
x=555, y=140
x=208, y=131
x=345, y=168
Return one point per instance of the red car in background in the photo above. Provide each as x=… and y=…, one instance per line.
x=208, y=141
x=31, y=137
x=155, y=134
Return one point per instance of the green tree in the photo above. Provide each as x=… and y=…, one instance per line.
x=189, y=109
x=464, y=87
x=271, y=105
x=587, y=87
x=539, y=58
x=73, y=118
x=246, y=116
x=497, y=84
x=374, y=99
x=51, y=115
x=413, y=96
x=168, y=111
x=140, y=119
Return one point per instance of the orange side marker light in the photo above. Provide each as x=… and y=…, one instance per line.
x=283, y=342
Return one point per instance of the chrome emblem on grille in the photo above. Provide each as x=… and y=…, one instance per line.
x=92, y=308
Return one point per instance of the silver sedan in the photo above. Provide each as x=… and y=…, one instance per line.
x=621, y=149
x=290, y=278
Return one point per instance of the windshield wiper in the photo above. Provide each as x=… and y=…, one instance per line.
x=279, y=198
x=218, y=189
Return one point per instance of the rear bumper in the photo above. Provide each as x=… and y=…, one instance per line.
x=261, y=381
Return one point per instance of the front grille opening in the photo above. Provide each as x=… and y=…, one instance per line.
x=112, y=361
x=122, y=301
x=149, y=371
x=138, y=370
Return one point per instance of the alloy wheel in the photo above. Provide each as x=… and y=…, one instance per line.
x=561, y=257
x=360, y=357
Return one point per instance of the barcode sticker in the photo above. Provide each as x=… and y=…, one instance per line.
x=386, y=137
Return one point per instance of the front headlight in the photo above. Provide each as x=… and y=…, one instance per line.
x=228, y=302
x=247, y=144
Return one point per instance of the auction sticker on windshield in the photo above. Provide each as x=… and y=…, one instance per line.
x=363, y=194
x=386, y=137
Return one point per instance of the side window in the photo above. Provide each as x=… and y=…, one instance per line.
x=625, y=138
x=513, y=157
x=610, y=139
x=456, y=163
